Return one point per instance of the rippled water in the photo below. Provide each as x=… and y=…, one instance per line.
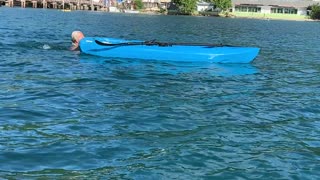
x=69, y=115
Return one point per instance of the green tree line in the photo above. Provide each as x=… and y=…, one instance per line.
x=189, y=6
x=315, y=12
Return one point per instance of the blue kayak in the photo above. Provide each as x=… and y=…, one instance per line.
x=152, y=50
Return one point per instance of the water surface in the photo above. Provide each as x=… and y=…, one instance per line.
x=64, y=114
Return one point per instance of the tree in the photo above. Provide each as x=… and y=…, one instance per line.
x=315, y=11
x=138, y=4
x=186, y=6
x=224, y=5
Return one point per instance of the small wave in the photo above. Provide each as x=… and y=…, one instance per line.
x=46, y=46
x=38, y=45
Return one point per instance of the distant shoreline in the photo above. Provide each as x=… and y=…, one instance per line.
x=265, y=16
x=259, y=16
x=262, y=18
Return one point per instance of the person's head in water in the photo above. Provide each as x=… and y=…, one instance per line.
x=76, y=36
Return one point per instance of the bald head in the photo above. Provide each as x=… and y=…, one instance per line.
x=76, y=36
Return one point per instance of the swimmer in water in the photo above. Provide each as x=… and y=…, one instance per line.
x=76, y=36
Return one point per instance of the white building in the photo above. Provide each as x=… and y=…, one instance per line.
x=298, y=7
x=204, y=6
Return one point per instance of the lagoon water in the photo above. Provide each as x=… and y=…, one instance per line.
x=68, y=115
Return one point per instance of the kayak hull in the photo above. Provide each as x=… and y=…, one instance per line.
x=178, y=53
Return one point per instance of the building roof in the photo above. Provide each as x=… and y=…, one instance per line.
x=285, y=3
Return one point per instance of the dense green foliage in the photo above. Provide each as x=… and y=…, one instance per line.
x=224, y=5
x=186, y=6
x=138, y=4
x=315, y=12
x=189, y=6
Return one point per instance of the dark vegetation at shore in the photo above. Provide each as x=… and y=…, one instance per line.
x=315, y=12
